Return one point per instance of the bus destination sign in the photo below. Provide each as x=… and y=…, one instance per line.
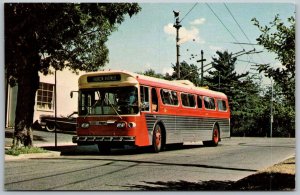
x=104, y=78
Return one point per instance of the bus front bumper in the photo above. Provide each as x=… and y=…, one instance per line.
x=118, y=140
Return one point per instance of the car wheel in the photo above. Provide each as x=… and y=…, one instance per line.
x=50, y=127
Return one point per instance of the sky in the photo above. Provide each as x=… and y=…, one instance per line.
x=148, y=39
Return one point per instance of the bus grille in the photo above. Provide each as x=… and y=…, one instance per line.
x=98, y=139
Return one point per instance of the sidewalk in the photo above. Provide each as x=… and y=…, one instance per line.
x=40, y=139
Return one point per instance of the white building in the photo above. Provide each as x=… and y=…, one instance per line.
x=66, y=81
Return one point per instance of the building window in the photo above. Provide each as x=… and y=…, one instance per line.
x=45, y=94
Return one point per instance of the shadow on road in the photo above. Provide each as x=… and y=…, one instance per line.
x=74, y=150
x=256, y=182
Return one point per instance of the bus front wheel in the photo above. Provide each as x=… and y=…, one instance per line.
x=157, y=139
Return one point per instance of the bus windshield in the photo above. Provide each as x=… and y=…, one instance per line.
x=109, y=101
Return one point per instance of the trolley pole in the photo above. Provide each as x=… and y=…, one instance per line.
x=177, y=25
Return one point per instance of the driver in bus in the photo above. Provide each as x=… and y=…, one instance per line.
x=128, y=102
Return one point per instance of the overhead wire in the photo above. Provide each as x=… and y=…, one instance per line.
x=249, y=42
x=223, y=24
x=237, y=23
x=189, y=11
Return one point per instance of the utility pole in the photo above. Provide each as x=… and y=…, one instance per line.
x=177, y=25
x=55, y=109
x=271, y=117
x=202, y=71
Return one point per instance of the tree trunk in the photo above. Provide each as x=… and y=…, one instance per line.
x=28, y=83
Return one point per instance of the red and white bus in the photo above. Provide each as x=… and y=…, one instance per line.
x=124, y=108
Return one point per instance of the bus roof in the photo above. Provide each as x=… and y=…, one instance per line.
x=134, y=78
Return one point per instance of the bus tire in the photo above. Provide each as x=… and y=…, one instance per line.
x=157, y=139
x=215, y=137
x=50, y=126
x=104, y=149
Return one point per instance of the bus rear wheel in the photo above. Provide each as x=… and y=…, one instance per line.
x=157, y=139
x=215, y=137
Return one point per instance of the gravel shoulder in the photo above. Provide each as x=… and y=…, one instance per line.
x=275, y=178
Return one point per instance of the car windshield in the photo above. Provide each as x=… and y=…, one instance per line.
x=109, y=101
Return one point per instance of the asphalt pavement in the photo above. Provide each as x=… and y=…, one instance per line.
x=83, y=168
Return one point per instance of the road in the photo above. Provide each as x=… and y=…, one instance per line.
x=82, y=168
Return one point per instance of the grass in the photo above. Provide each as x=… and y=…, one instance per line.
x=24, y=150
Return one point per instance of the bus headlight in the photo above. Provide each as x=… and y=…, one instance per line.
x=85, y=125
x=131, y=124
x=121, y=124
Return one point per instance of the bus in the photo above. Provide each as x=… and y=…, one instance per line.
x=118, y=108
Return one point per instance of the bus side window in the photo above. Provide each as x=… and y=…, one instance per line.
x=209, y=103
x=154, y=99
x=144, y=98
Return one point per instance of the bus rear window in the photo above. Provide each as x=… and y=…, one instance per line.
x=222, y=105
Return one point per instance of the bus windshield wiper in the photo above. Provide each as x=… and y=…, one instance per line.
x=93, y=106
x=111, y=105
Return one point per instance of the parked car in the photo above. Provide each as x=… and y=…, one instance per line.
x=62, y=123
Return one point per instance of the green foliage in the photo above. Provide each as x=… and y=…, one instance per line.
x=24, y=150
x=60, y=35
x=187, y=72
x=224, y=78
x=152, y=73
x=279, y=38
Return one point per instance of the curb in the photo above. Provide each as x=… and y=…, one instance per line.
x=32, y=155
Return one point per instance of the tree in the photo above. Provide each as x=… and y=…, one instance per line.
x=152, y=73
x=43, y=35
x=239, y=88
x=280, y=39
x=225, y=79
x=187, y=72
x=283, y=113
